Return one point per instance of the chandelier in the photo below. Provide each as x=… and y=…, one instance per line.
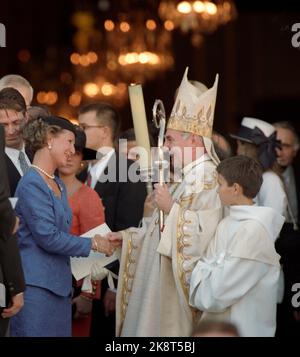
x=94, y=77
x=116, y=48
x=138, y=45
x=197, y=17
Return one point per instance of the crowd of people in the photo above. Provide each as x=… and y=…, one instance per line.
x=225, y=258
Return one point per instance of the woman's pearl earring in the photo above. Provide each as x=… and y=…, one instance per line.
x=49, y=146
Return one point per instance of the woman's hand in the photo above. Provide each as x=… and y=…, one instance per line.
x=83, y=306
x=17, y=302
x=102, y=245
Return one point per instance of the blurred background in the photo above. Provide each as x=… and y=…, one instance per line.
x=78, y=51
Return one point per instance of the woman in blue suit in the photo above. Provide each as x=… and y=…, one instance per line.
x=45, y=244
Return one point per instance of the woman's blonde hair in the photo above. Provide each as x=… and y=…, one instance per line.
x=36, y=134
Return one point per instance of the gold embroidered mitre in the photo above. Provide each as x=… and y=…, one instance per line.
x=193, y=111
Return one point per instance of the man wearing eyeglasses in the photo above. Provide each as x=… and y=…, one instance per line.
x=288, y=244
x=123, y=200
x=13, y=117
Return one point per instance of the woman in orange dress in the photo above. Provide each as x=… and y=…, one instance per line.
x=88, y=213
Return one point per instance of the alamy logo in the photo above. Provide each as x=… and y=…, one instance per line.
x=2, y=35
x=296, y=36
x=296, y=297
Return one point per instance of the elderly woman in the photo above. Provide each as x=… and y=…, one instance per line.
x=45, y=243
x=88, y=213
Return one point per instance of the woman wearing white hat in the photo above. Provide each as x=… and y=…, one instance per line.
x=257, y=139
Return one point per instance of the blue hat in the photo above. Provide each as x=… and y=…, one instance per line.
x=262, y=135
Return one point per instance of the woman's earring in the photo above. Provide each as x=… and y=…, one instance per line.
x=49, y=146
x=81, y=164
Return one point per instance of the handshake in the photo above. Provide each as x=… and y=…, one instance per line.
x=107, y=244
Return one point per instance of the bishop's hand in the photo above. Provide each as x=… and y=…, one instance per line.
x=115, y=239
x=163, y=197
x=149, y=205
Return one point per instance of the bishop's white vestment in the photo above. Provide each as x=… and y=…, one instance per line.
x=153, y=287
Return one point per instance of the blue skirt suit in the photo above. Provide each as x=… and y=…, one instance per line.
x=46, y=248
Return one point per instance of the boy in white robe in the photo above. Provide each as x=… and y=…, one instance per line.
x=237, y=281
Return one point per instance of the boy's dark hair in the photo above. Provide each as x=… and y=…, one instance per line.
x=244, y=171
x=11, y=99
x=105, y=114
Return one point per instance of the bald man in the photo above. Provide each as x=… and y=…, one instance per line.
x=20, y=84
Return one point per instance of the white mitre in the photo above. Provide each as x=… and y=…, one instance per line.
x=193, y=111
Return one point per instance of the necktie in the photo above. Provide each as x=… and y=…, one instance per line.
x=23, y=162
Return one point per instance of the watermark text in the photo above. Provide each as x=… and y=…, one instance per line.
x=2, y=35
x=296, y=37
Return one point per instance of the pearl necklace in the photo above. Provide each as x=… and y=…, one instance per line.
x=52, y=177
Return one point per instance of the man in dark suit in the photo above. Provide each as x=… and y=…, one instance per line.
x=288, y=244
x=13, y=117
x=123, y=200
x=11, y=273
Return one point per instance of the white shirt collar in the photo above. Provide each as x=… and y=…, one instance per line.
x=13, y=154
x=97, y=169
